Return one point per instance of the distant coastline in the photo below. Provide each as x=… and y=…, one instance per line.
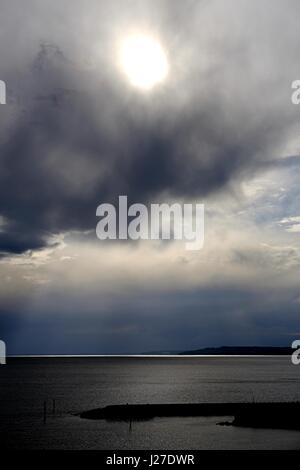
x=211, y=351
x=228, y=351
x=241, y=351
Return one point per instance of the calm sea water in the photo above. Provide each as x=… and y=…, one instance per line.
x=79, y=384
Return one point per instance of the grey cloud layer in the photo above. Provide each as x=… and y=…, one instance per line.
x=75, y=134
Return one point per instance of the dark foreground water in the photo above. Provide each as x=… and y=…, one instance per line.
x=79, y=384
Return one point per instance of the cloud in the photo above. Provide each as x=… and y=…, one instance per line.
x=80, y=135
x=222, y=130
x=91, y=297
x=291, y=224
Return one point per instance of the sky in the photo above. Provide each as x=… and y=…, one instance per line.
x=220, y=130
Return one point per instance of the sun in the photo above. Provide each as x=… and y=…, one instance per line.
x=144, y=61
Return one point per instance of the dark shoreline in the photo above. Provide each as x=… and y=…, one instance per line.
x=241, y=351
x=256, y=415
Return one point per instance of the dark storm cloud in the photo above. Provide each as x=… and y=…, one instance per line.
x=80, y=136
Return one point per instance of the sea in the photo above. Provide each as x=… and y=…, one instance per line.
x=41, y=398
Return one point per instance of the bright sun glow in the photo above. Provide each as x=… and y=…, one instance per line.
x=144, y=61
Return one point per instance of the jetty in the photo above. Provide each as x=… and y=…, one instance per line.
x=265, y=415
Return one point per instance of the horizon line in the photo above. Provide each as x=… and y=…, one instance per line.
x=24, y=356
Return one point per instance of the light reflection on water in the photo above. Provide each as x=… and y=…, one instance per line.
x=79, y=384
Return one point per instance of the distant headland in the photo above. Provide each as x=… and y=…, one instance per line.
x=241, y=351
x=230, y=351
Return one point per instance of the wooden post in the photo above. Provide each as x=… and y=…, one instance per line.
x=45, y=412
